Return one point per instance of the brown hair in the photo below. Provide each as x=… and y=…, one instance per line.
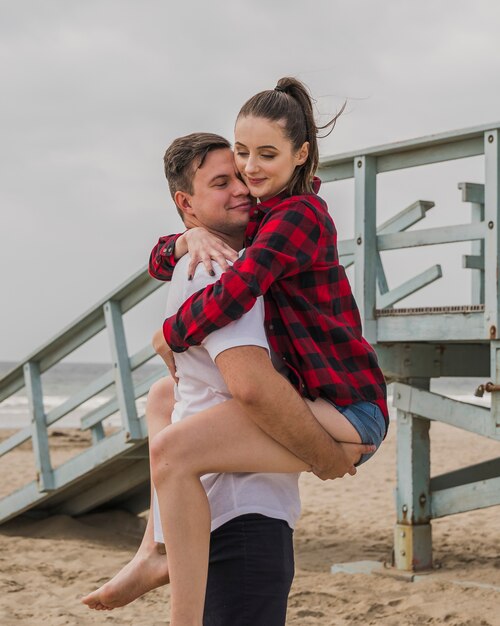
x=187, y=154
x=291, y=102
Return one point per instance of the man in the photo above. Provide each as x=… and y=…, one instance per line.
x=252, y=515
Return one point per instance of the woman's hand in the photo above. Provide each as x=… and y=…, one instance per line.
x=205, y=248
x=162, y=348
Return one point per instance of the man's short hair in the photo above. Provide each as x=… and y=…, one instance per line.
x=187, y=154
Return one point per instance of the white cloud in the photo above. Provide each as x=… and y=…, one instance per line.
x=92, y=93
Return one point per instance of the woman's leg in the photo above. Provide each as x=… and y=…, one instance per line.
x=220, y=439
x=148, y=569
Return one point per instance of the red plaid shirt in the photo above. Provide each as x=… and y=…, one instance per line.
x=312, y=320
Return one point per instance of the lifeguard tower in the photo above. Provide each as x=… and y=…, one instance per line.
x=417, y=344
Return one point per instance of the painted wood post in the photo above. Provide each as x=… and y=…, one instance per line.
x=492, y=259
x=39, y=434
x=495, y=396
x=97, y=432
x=365, y=228
x=492, y=236
x=412, y=532
x=123, y=374
x=474, y=194
x=477, y=251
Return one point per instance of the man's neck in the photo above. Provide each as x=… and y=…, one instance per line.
x=234, y=240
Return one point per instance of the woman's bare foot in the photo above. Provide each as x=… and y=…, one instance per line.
x=145, y=572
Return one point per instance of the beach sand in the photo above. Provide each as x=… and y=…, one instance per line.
x=47, y=565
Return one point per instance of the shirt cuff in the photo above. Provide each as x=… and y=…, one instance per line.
x=168, y=249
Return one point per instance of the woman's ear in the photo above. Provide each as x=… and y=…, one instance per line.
x=303, y=153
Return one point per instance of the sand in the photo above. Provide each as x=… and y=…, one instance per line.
x=47, y=565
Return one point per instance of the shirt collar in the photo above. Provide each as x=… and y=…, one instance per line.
x=270, y=203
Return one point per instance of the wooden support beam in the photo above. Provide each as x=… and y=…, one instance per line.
x=412, y=534
x=403, y=154
x=113, y=486
x=465, y=475
x=78, y=469
x=15, y=440
x=398, y=223
x=97, y=415
x=365, y=214
x=494, y=423
x=97, y=432
x=473, y=262
x=123, y=375
x=404, y=290
x=431, y=327
x=402, y=361
x=423, y=237
x=39, y=433
x=472, y=192
x=432, y=406
x=468, y=497
x=431, y=236
x=138, y=502
x=81, y=396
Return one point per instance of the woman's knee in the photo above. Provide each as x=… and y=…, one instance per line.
x=160, y=399
x=169, y=452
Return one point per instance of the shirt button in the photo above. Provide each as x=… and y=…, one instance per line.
x=169, y=249
x=284, y=358
x=271, y=327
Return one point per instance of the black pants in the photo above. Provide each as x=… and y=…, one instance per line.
x=250, y=572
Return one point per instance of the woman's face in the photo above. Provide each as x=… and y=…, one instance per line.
x=264, y=156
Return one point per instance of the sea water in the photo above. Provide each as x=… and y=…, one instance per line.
x=58, y=384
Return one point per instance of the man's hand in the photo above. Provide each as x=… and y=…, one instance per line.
x=162, y=348
x=342, y=460
x=204, y=247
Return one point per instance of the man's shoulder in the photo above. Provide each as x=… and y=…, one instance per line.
x=201, y=277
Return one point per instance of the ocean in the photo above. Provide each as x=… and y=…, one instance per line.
x=64, y=379
x=59, y=383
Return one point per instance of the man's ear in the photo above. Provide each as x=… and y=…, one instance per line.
x=183, y=202
x=303, y=153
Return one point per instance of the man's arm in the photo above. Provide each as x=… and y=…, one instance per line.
x=273, y=404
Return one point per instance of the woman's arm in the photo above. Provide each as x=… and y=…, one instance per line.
x=162, y=258
x=204, y=247
x=286, y=244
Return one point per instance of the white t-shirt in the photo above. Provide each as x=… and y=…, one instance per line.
x=202, y=386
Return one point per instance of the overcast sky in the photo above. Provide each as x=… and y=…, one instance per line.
x=93, y=92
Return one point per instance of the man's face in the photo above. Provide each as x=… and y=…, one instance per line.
x=220, y=201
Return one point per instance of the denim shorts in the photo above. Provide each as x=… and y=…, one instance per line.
x=368, y=419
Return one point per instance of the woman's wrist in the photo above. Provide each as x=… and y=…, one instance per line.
x=181, y=247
